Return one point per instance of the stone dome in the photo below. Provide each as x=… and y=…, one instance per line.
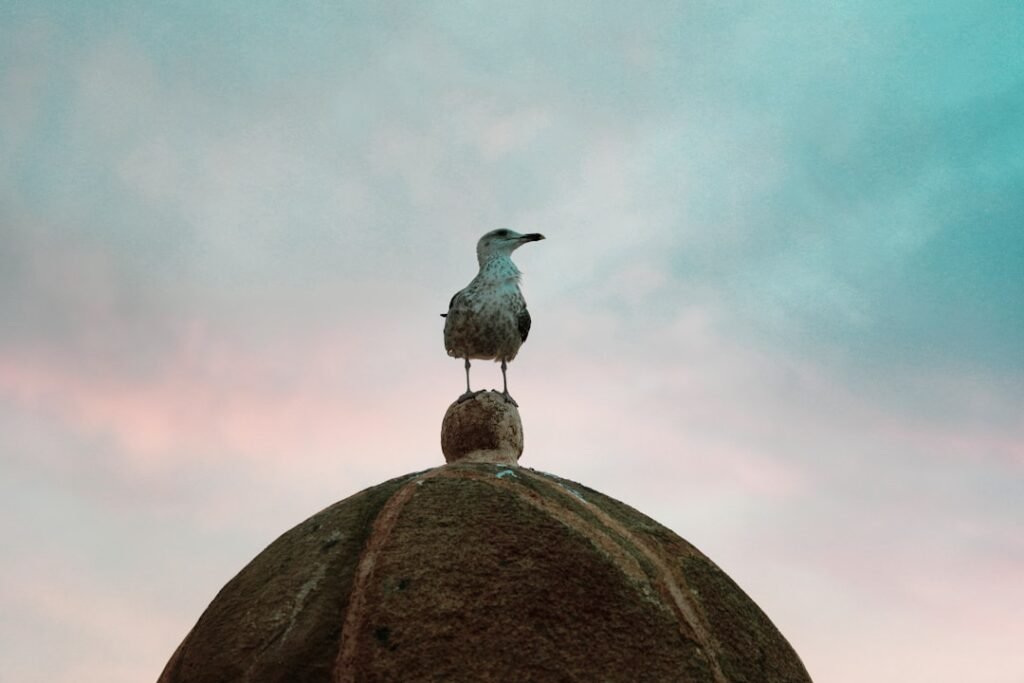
x=482, y=571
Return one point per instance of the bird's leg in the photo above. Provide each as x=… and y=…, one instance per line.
x=469, y=394
x=504, y=384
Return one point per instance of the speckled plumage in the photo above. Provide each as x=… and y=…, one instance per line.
x=488, y=319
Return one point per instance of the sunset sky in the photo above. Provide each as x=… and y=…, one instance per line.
x=780, y=308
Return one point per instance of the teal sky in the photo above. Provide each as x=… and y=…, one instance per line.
x=780, y=307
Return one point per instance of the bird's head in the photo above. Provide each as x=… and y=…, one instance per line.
x=502, y=242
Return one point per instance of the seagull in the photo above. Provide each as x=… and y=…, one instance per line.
x=488, y=319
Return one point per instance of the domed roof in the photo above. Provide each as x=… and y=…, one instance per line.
x=482, y=571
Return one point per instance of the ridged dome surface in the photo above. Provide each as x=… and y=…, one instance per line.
x=482, y=572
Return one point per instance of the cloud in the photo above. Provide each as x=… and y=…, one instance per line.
x=777, y=310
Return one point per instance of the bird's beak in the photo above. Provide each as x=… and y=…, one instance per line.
x=532, y=237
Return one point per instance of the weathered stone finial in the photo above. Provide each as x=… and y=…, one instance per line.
x=484, y=428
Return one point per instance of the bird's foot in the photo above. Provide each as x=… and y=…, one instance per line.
x=468, y=395
x=509, y=398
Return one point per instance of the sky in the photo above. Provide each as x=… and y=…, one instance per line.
x=780, y=308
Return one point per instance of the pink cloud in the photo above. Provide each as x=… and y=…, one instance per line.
x=231, y=402
x=93, y=632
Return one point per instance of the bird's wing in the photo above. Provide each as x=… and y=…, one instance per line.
x=451, y=303
x=523, y=321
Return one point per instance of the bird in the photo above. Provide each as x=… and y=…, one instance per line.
x=488, y=319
